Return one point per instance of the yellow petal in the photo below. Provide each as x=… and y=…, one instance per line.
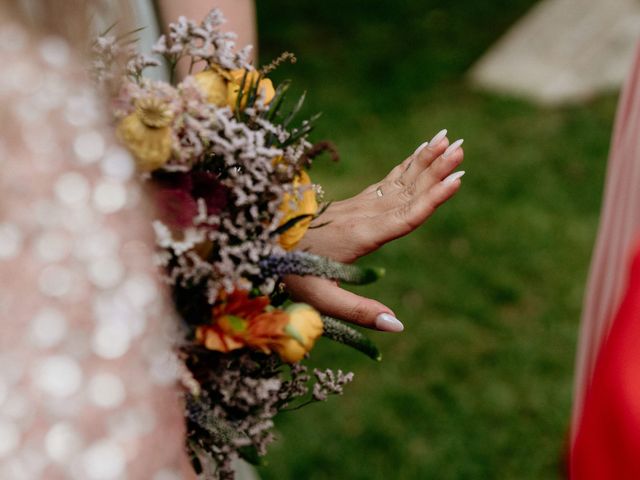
x=214, y=86
x=308, y=326
x=265, y=87
x=296, y=206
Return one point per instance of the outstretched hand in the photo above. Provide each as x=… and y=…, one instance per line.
x=382, y=212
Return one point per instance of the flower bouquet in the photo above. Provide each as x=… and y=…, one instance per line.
x=227, y=167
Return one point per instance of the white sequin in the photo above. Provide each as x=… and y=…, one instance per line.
x=55, y=51
x=97, y=244
x=117, y=163
x=59, y=376
x=109, y=196
x=105, y=272
x=9, y=437
x=10, y=240
x=140, y=290
x=89, y=146
x=52, y=246
x=72, y=188
x=106, y=390
x=55, y=281
x=104, y=460
x=111, y=341
x=82, y=109
x=62, y=442
x=48, y=328
x=131, y=423
x=27, y=464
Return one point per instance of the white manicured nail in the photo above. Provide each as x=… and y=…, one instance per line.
x=438, y=137
x=420, y=147
x=452, y=148
x=434, y=141
x=388, y=323
x=453, y=177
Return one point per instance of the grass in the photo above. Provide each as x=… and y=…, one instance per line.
x=490, y=288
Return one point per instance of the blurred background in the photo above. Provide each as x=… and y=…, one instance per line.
x=490, y=290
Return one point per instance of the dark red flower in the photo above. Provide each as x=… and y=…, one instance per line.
x=176, y=195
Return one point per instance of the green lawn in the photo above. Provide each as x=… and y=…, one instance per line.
x=479, y=385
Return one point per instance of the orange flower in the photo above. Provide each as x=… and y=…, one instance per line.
x=304, y=204
x=240, y=321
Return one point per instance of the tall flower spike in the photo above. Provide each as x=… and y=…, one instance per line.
x=302, y=263
x=342, y=333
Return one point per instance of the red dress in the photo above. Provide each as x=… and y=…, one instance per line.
x=607, y=442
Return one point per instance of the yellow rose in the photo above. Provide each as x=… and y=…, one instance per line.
x=147, y=133
x=214, y=86
x=294, y=206
x=233, y=88
x=303, y=329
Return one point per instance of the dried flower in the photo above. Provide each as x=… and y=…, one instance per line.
x=147, y=133
x=303, y=203
x=214, y=85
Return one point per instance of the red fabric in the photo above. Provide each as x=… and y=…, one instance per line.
x=607, y=445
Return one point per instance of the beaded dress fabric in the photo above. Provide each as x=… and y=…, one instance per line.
x=87, y=377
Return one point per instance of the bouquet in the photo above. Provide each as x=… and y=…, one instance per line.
x=227, y=166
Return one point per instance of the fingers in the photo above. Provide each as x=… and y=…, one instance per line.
x=425, y=156
x=425, y=205
x=443, y=166
x=329, y=299
x=420, y=159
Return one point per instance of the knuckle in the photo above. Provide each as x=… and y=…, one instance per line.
x=398, y=183
x=358, y=313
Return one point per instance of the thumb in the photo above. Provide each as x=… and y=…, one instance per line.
x=329, y=299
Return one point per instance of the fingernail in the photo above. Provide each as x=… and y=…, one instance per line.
x=452, y=148
x=438, y=137
x=453, y=177
x=434, y=141
x=388, y=323
x=420, y=147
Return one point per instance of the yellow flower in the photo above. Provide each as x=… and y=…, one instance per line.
x=295, y=205
x=233, y=88
x=147, y=133
x=214, y=85
x=303, y=329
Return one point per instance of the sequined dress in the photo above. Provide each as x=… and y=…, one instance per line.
x=87, y=376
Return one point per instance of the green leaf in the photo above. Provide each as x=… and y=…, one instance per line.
x=341, y=332
x=291, y=223
x=278, y=99
x=295, y=110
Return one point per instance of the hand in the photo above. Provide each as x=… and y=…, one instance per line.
x=382, y=212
